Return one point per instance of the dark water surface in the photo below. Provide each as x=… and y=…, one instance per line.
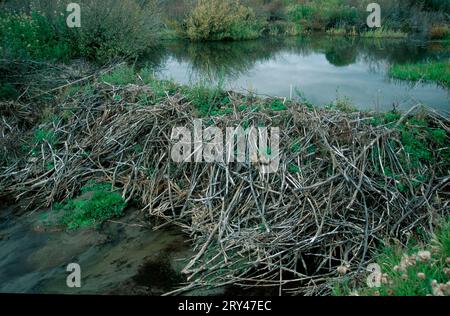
x=123, y=257
x=321, y=68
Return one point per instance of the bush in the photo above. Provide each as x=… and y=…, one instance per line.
x=109, y=29
x=222, y=20
x=301, y=12
x=439, y=32
x=31, y=37
x=321, y=15
x=113, y=28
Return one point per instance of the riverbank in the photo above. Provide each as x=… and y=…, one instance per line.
x=243, y=20
x=346, y=181
x=438, y=72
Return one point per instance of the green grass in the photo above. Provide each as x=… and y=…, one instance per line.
x=415, y=270
x=421, y=143
x=122, y=75
x=278, y=105
x=343, y=104
x=293, y=168
x=323, y=14
x=8, y=91
x=337, y=31
x=438, y=72
x=209, y=101
x=384, y=33
x=95, y=205
x=126, y=74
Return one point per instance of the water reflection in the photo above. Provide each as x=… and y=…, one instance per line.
x=320, y=66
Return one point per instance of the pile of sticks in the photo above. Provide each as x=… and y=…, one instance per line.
x=325, y=210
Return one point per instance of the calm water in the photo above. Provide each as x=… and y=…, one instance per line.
x=320, y=68
x=115, y=259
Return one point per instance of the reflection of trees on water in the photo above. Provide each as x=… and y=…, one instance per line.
x=219, y=60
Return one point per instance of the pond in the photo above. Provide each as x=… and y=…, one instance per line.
x=320, y=69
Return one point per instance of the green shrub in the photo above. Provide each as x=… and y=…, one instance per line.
x=109, y=29
x=113, y=28
x=32, y=37
x=222, y=20
x=322, y=15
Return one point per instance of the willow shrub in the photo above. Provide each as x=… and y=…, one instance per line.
x=109, y=29
x=113, y=28
x=222, y=20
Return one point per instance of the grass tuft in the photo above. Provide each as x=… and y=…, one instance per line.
x=96, y=205
x=438, y=72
